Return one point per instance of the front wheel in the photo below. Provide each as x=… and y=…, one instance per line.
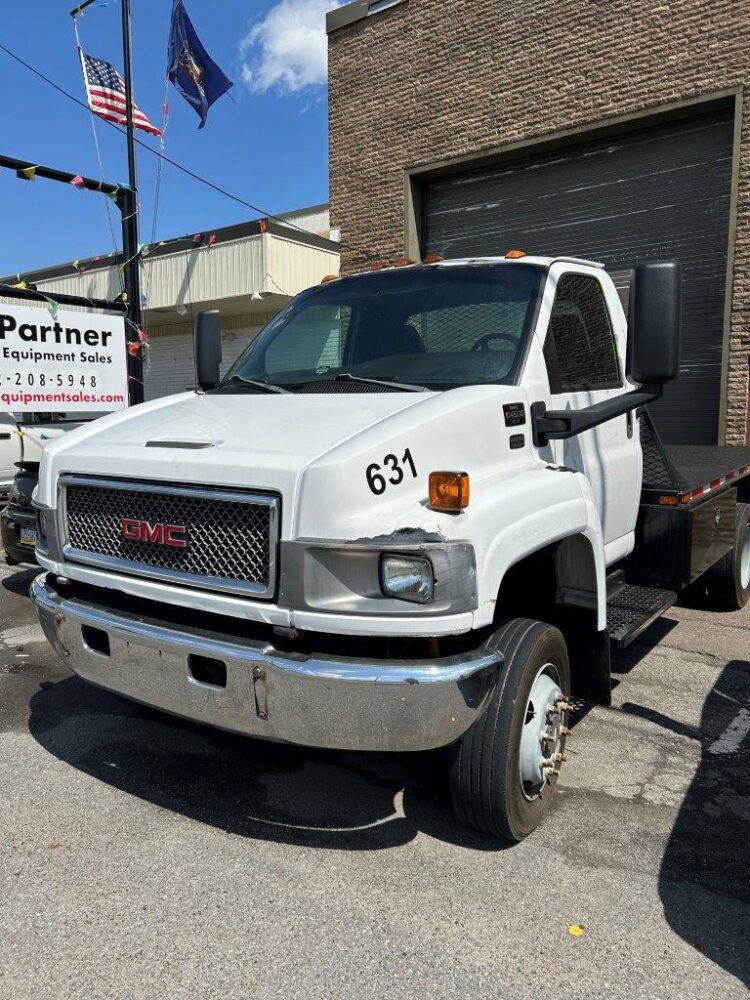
x=504, y=769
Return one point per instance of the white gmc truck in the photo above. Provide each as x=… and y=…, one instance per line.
x=416, y=513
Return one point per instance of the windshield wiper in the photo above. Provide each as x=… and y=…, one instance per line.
x=400, y=386
x=256, y=383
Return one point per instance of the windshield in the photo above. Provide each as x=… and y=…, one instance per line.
x=436, y=328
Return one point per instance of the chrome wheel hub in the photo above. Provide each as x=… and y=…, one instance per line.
x=543, y=734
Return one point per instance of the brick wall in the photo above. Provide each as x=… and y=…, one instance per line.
x=432, y=79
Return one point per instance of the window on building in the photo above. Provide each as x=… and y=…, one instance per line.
x=580, y=349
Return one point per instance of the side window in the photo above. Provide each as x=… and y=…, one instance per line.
x=580, y=347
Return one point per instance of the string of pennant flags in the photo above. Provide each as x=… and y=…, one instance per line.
x=201, y=82
x=139, y=343
x=197, y=241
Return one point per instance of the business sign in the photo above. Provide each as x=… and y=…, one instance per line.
x=72, y=362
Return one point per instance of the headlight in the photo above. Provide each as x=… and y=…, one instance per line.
x=408, y=578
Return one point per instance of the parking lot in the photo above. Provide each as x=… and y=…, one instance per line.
x=144, y=856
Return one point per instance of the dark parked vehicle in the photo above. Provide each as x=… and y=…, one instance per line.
x=18, y=520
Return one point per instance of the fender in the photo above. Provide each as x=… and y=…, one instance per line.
x=537, y=509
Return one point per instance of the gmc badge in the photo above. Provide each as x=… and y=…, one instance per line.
x=515, y=414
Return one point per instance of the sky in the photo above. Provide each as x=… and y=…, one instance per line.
x=267, y=143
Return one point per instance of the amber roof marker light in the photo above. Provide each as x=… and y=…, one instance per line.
x=515, y=254
x=433, y=258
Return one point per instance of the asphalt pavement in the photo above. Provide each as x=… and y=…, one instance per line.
x=142, y=856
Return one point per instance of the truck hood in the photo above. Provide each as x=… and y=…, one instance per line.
x=238, y=440
x=317, y=451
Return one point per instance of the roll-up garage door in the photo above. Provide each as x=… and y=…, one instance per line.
x=658, y=192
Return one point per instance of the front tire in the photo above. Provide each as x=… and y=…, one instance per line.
x=498, y=782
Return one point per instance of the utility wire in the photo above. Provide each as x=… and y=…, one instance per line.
x=166, y=159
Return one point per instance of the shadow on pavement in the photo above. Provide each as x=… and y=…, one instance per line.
x=706, y=863
x=294, y=795
x=20, y=579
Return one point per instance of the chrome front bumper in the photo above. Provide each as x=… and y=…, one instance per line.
x=314, y=700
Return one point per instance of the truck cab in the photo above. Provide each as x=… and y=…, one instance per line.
x=394, y=525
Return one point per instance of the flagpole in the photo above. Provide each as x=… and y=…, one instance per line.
x=130, y=218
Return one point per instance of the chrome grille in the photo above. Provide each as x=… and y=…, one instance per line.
x=231, y=536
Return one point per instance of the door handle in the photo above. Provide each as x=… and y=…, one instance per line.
x=5, y=436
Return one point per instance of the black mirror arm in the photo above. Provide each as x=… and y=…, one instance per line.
x=557, y=425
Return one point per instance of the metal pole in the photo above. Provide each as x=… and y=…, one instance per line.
x=129, y=208
x=10, y=163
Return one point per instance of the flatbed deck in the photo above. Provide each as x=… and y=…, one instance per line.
x=698, y=465
x=687, y=469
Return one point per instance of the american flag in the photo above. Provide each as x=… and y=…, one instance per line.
x=105, y=90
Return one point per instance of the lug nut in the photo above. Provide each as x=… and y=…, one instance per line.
x=555, y=772
x=548, y=738
x=561, y=757
x=564, y=731
x=547, y=764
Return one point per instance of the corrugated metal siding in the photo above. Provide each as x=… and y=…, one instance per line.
x=658, y=192
x=292, y=267
x=171, y=360
x=206, y=274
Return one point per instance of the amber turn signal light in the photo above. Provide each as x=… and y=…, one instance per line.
x=449, y=490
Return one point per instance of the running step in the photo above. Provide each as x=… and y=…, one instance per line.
x=632, y=609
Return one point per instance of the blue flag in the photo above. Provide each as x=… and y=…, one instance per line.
x=191, y=69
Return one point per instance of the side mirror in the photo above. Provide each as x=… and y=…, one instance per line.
x=655, y=322
x=207, y=349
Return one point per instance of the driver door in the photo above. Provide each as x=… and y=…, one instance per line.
x=585, y=354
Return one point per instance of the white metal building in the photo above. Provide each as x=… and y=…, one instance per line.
x=247, y=271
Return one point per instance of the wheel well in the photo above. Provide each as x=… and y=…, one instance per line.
x=558, y=584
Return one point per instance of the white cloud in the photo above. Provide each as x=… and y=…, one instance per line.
x=288, y=51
